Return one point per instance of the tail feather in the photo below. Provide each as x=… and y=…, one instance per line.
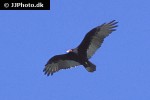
x=90, y=67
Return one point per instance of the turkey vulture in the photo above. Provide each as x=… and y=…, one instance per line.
x=81, y=54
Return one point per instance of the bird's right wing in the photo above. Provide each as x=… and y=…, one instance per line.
x=59, y=62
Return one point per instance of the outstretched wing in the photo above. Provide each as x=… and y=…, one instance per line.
x=59, y=62
x=94, y=38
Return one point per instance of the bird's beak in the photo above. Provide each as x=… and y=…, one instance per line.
x=69, y=51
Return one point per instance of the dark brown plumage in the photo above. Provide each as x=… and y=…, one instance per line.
x=81, y=54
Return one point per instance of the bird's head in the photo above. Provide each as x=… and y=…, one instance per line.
x=70, y=50
x=75, y=50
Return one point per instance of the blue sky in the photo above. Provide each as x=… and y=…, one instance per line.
x=29, y=38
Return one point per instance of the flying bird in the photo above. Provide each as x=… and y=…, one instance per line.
x=82, y=53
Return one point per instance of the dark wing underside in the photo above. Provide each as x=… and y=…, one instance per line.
x=59, y=62
x=94, y=38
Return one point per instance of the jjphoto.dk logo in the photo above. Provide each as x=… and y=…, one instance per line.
x=25, y=5
x=40, y=4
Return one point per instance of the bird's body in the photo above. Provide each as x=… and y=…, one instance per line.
x=82, y=53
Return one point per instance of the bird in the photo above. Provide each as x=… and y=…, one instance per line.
x=83, y=52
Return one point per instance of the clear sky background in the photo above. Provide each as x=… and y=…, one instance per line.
x=29, y=38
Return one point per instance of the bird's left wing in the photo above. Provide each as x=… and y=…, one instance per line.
x=94, y=38
x=59, y=62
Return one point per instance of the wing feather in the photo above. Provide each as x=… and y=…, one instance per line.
x=59, y=62
x=94, y=38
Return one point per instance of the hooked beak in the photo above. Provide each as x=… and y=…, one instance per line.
x=69, y=51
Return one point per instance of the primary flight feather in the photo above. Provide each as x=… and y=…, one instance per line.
x=81, y=54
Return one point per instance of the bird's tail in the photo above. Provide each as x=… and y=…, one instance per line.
x=89, y=66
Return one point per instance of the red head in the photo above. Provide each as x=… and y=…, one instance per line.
x=70, y=50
